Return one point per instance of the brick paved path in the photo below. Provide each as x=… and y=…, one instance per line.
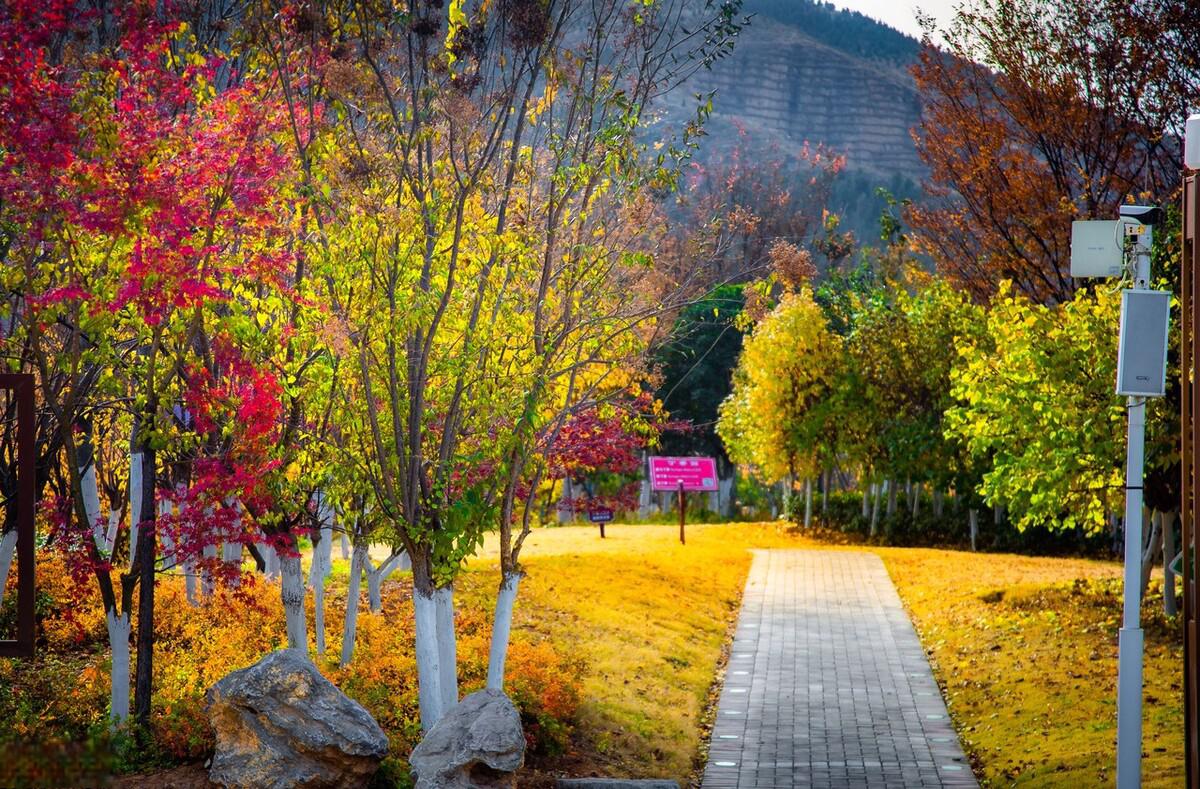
x=827, y=684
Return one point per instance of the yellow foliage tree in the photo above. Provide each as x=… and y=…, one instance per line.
x=777, y=415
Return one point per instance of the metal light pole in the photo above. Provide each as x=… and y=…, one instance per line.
x=1130, y=638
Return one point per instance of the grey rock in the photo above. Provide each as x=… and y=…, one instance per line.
x=478, y=743
x=616, y=783
x=279, y=723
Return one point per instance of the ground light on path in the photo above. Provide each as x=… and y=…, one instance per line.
x=827, y=684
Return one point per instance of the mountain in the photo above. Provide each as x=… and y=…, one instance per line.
x=803, y=71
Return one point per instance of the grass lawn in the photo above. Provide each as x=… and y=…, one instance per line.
x=1025, y=647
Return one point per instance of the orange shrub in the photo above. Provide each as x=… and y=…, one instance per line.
x=61, y=696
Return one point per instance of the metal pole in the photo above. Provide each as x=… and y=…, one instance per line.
x=1129, y=669
x=1130, y=638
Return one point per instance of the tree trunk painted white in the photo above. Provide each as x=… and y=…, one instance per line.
x=1151, y=545
x=506, y=601
x=377, y=575
x=566, y=505
x=325, y=546
x=164, y=534
x=207, y=586
x=915, y=495
x=135, y=501
x=350, y=627
x=189, y=582
x=345, y=546
x=319, y=616
x=319, y=570
x=891, y=504
x=447, y=647
x=825, y=478
x=374, y=588
x=1170, y=603
x=110, y=536
x=429, y=691
x=866, y=502
x=973, y=521
x=8, y=546
x=644, y=498
x=118, y=643
x=91, y=502
x=875, y=509
x=997, y=514
x=725, y=491
x=270, y=560
x=231, y=552
x=939, y=503
x=808, y=499
x=292, y=594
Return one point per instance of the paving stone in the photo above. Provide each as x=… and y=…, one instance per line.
x=838, y=690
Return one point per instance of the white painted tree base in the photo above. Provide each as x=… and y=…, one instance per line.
x=506, y=601
x=118, y=643
x=350, y=626
x=1170, y=603
x=292, y=595
x=429, y=686
x=447, y=646
x=8, y=547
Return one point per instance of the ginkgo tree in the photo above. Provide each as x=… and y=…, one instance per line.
x=464, y=202
x=1037, y=399
x=777, y=416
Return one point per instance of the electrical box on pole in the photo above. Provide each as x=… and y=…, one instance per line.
x=1142, y=352
x=1097, y=249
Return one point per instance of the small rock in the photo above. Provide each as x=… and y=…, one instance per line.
x=478, y=743
x=279, y=723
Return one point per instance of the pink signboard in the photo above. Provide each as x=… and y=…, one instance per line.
x=695, y=473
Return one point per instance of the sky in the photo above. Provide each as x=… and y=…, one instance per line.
x=901, y=14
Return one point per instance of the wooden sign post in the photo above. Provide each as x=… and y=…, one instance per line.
x=682, y=514
x=600, y=515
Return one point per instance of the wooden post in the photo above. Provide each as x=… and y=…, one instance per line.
x=21, y=386
x=682, y=514
x=1188, y=511
x=602, y=530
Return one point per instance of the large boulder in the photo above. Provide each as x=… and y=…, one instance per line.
x=477, y=743
x=279, y=723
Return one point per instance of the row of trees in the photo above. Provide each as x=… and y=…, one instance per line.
x=909, y=385
x=279, y=267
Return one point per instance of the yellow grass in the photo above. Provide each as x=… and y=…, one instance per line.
x=1027, y=655
x=1028, y=659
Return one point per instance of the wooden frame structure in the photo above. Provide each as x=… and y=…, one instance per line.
x=21, y=387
